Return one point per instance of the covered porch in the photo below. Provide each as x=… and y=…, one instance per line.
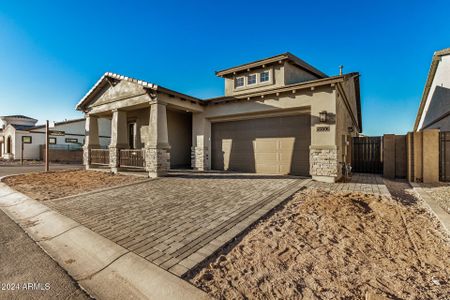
x=151, y=127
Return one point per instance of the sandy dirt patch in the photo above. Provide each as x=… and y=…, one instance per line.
x=335, y=245
x=57, y=184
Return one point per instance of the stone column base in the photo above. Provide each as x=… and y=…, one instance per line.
x=323, y=163
x=114, y=157
x=157, y=161
x=86, y=154
x=199, y=158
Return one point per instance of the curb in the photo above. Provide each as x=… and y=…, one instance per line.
x=101, y=267
x=434, y=207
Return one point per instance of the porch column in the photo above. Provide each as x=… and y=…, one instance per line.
x=91, y=140
x=201, y=142
x=157, y=148
x=118, y=138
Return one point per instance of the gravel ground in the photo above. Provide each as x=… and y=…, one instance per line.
x=336, y=245
x=57, y=184
x=441, y=193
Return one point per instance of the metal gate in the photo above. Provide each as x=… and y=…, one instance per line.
x=444, y=156
x=367, y=155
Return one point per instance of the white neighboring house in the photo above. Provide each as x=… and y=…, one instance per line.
x=434, y=110
x=16, y=127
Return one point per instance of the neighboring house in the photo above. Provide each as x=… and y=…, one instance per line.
x=17, y=127
x=279, y=115
x=434, y=110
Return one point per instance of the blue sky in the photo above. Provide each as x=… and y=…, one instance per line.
x=52, y=52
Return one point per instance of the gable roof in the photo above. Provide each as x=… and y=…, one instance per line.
x=431, y=73
x=269, y=60
x=145, y=84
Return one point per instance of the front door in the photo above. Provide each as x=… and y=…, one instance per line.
x=132, y=135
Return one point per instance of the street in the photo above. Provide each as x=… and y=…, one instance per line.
x=27, y=272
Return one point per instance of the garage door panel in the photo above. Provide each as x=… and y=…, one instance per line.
x=277, y=145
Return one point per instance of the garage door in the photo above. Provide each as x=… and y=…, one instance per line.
x=275, y=145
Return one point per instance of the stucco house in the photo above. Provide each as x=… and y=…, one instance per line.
x=279, y=115
x=434, y=109
x=17, y=127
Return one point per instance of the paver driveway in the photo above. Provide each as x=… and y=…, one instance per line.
x=176, y=222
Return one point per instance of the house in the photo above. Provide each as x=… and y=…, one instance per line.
x=18, y=128
x=279, y=115
x=434, y=109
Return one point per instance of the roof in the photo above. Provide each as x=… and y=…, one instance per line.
x=280, y=57
x=59, y=123
x=22, y=127
x=434, y=65
x=145, y=84
x=18, y=117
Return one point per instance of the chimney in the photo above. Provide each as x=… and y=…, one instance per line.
x=341, y=68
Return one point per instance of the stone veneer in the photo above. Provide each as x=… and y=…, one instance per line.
x=157, y=161
x=323, y=162
x=114, y=158
x=199, y=158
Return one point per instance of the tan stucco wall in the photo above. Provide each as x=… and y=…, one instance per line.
x=293, y=74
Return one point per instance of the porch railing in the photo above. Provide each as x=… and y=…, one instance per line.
x=132, y=158
x=99, y=157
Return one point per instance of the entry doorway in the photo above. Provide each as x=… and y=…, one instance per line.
x=132, y=135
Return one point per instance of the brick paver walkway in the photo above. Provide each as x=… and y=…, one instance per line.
x=176, y=222
x=365, y=183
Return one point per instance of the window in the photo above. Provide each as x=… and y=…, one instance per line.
x=27, y=139
x=264, y=76
x=239, y=82
x=52, y=140
x=251, y=79
x=71, y=140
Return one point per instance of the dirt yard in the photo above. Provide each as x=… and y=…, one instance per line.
x=325, y=245
x=57, y=184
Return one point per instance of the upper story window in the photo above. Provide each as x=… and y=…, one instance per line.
x=239, y=82
x=264, y=76
x=251, y=79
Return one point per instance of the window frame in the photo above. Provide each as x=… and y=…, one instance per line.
x=268, y=76
x=243, y=82
x=256, y=79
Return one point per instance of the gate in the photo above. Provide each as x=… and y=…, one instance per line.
x=367, y=155
x=444, y=156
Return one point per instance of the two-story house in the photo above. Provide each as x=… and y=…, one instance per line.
x=279, y=115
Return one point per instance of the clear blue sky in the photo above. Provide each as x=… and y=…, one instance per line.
x=51, y=53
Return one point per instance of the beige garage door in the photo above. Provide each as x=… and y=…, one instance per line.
x=276, y=145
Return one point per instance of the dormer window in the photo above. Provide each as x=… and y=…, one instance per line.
x=264, y=76
x=251, y=79
x=239, y=82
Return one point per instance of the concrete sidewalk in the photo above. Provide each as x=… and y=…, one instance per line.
x=440, y=213
x=23, y=262
x=103, y=268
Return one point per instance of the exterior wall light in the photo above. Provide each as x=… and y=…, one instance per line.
x=323, y=116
